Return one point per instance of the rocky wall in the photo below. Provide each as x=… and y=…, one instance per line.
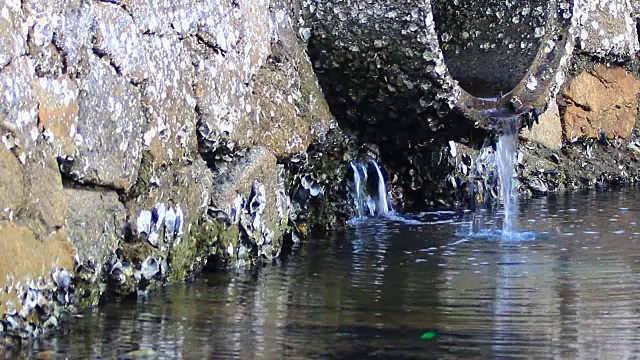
x=142, y=141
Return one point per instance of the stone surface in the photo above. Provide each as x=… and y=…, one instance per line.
x=549, y=131
x=240, y=30
x=235, y=40
x=281, y=108
x=607, y=28
x=47, y=60
x=225, y=106
x=164, y=16
x=11, y=184
x=45, y=205
x=108, y=95
x=169, y=101
x=31, y=193
x=19, y=106
x=108, y=137
x=118, y=37
x=12, y=40
x=42, y=18
x=291, y=109
x=73, y=36
x=58, y=112
x=605, y=98
x=95, y=223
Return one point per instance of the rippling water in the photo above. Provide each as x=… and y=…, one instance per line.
x=433, y=285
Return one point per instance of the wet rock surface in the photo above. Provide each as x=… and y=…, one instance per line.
x=249, y=196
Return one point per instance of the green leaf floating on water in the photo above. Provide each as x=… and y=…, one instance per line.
x=428, y=335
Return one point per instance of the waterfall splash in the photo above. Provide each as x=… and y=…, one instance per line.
x=370, y=192
x=505, y=162
x=483, y=224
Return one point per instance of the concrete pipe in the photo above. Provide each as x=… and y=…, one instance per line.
x=419, y=65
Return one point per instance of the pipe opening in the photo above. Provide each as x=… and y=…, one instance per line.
x=490, y=45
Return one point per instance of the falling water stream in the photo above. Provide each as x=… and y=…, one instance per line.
x=505, y=155
x=369, y=192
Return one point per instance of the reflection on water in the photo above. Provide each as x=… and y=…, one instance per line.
x=571, y=290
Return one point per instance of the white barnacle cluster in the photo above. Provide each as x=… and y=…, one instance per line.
x=39, y=303
x=162, y=220
x=250, y=215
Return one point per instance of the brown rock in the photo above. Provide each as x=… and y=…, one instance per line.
x=95, y=223
x=32, y=193
x=601, y=99
x=23, y=257
x=11, y=184
x=45, y=205
x=549, y=131
x=58, y=112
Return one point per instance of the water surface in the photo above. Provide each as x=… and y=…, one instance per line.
x=569, y=288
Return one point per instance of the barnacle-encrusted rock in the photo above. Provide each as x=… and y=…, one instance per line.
x=42, y=17
x=246, y=99
x=607, y=29
x=165, y=17
x=19, y=107
x=249, y=194
x=25, y=263
x=320, y=181
x=291, y=109
x=118, y=37
x=73, y=36
x=241, y=31
x=108, y=137
x=95, y=224
x=58, y=112
x=166, y=210
x=169, y=101
x=12, y=40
